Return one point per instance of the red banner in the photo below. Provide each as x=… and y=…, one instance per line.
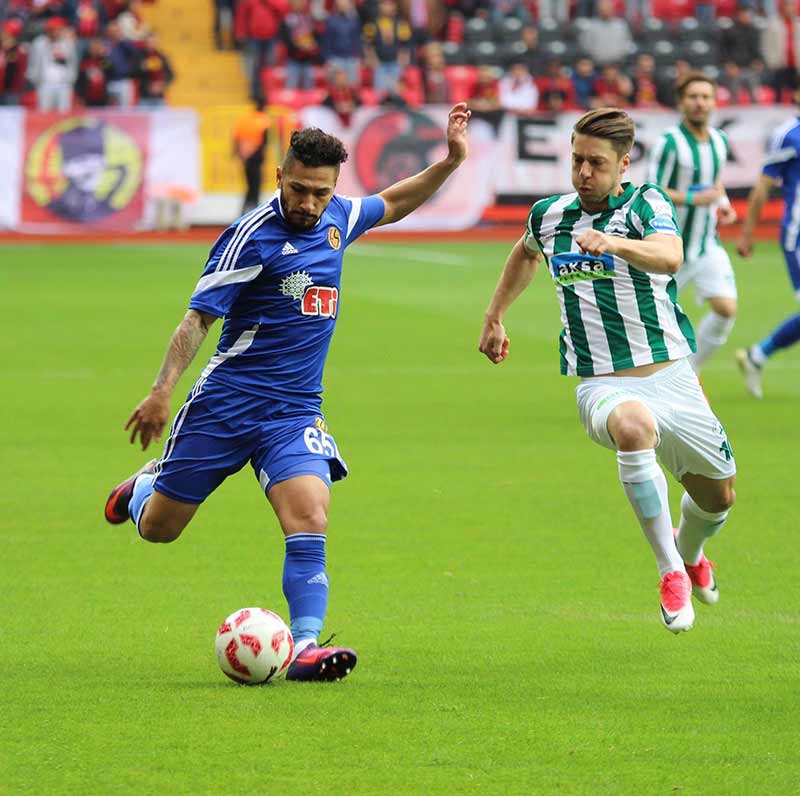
x=83, y=171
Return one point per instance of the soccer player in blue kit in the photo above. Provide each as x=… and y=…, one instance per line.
x=275, y=277
x=782, y=167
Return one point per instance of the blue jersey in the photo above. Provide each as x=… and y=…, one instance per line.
x=279, y=292
x=783, y=164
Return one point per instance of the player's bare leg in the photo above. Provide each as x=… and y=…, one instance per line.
x=704, y=509
x=163, y=519
x=714, y=328
x=301, y=504
x=633, y=429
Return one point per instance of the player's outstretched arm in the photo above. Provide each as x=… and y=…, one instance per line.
x=520, y=268
x=656, y=254
x=755, y=201
x=151, y=415
x=407, y=195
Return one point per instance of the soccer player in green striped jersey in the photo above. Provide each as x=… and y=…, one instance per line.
x=686, y=162
x=611, y=249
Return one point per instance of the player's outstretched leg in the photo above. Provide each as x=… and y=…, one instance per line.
x=301, y=504
x=752, y=360
x=633, y=428
x=697, y=526
x=118, y=505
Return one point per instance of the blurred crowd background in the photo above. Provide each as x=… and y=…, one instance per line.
x=500, y=55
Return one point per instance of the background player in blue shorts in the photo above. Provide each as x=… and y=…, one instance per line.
x=782, y=167
x=275, y=277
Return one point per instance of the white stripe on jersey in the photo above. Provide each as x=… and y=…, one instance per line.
x=352, y=219
x=246, y=227
x=243, y=342
x=776, y=142
x=217, y=278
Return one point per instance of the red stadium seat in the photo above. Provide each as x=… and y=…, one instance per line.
x=461, y=79
x=273, y=78
x=297, y=97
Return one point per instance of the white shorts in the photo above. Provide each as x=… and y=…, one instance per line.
x=690, y=438
x=712, y=275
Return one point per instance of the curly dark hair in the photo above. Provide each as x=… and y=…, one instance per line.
x=313, y=148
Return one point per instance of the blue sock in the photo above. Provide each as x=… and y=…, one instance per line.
x=142, y=490
x=305, y=584
x=787, y=334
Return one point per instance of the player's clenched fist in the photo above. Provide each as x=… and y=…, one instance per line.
x=494, y=342
x=595, y=242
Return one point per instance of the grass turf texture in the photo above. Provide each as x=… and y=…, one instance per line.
x=484, y=562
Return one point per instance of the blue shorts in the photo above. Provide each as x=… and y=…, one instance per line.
x=218, y=430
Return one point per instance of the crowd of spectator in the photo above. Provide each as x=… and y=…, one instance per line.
x=513, y=55
x=55, y=54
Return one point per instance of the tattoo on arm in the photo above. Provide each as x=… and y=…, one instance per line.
x=185, y=343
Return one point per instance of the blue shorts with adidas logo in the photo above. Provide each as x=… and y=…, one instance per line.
x=218, y=430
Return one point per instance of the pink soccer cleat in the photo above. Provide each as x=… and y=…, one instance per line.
x=704, y=584
x=677, y=613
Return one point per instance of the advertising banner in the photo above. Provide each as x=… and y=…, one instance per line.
x=94, y=170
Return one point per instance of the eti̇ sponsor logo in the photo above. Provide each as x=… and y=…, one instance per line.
x=83, y=169
x=319, y=301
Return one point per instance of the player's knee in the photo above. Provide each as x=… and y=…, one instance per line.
x=721, y=499
x=633, y=430
x=312, y=518
x=159, y=531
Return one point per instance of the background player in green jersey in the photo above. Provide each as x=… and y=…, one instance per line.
x=611, y=249
x=686, y=162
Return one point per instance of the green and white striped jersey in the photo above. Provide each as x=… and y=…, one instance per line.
x=614, y=315
x=680, y=161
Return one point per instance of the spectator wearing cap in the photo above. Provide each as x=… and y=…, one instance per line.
x=388, y=41
x=517, y=90
x=124, y=57
x=53, y=66
x=302, y=50
x=341, y=40
x=155, y=73
x=13, y=62
x=607, y=37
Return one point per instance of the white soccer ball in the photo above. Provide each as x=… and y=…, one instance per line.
x=253, y=646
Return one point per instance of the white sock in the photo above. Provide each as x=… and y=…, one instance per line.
x=712, y=332
x=757, y=355
x=646, y=488
x=696, y=526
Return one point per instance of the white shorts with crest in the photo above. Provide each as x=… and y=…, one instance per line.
x=690, y=437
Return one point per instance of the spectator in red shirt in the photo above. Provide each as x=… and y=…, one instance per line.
x=13, y=63
x=342, y=97
x=298, y=34
x=486, y=93
x=612, y=89
x=555, y=80
x=90, y=18
x=93, y=76
x=155, y=74
x=257, y=25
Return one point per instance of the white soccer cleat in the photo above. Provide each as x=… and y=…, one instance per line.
x=704, y=584
x=677, y=612
x=751, y=372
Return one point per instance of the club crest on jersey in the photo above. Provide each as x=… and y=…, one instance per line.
x=334, y=237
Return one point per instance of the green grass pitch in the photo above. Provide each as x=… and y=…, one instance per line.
x=484, y=562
